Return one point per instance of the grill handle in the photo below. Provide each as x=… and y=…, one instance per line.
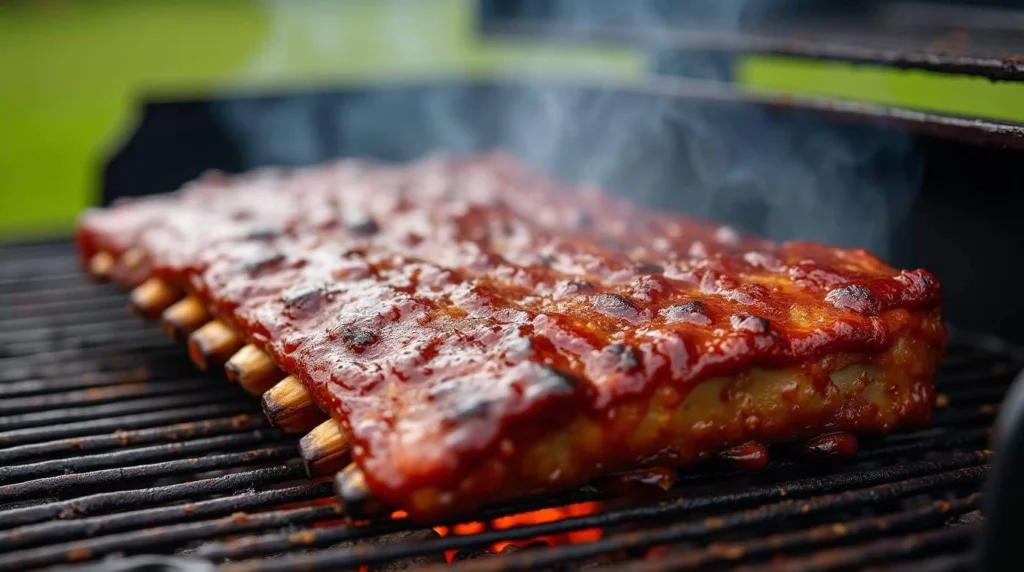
x=1003, y=529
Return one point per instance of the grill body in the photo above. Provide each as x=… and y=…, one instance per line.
x=116, y=454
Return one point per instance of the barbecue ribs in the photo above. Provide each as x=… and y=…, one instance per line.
x=483, y=333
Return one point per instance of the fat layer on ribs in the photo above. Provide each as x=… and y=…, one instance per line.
x=484, y=332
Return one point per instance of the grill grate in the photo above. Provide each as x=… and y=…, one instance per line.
x=111, y=445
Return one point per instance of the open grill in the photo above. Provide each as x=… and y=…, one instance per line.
x=112, y=445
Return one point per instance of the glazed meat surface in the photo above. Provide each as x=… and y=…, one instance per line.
x=484, y=332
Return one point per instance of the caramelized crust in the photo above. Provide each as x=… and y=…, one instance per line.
x=484, y=332
x=766, y=405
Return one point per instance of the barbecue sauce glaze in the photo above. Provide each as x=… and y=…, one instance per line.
x=452, y=311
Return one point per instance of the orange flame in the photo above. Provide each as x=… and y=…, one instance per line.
x=529, y=518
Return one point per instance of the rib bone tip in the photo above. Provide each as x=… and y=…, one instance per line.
x=212, y=345
x=184, y=317
x=325, y=449
x=290, y=407
x=101, y=265
x=253, y=369
x=153, y=296
x=354, y=495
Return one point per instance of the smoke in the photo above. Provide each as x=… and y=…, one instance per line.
x=779, y=175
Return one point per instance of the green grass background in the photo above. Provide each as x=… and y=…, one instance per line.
x=926, y=91
x=73, y=72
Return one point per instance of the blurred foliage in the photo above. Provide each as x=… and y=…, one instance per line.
x=72, y=73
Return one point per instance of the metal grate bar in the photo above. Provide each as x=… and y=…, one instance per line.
x=36, y=419
x=23, y=264
x=154, y=539
x=986, y=373
x=312, y=538
x=887, y=550
x=35, y=352
x=48, y=263
x=101, y=395
x=67, y=530
x=893, y=446
x=29, y=249
x=946, y=418
x=26, y=304
x=88, y=358
x=784, y=511
x=27, y=351
x=12, y=270
x=945, y=563
x=202, y=410
x=27, y=331
x=88, y=366
x=673, y=533
x=122, y=439
x=48, y=485
x=91, y=317
x=980, y=393
x=112, y=303
x=97, y=462
x=138, y=499
x=173, y=368
x=8, y=285
x=81, y=291
x=935, y=513
x=70, y=361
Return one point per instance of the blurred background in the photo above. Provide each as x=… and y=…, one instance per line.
x=894, y=126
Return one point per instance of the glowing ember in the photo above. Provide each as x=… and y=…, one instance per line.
x=529, y=518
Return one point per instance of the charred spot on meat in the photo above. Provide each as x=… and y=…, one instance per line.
x=547, y=381
x=573, y=287
x=472, y=407
x=305, y=299
x=360, y=224
x=650, y=268
x=358, y=339
x=749, y=323
x=626, y=356
x=691, y=313
x=263, y=233
x=615, y=305
x=853, y=297
x=263, y=261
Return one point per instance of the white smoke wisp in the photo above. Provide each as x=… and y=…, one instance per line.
x=782, y=176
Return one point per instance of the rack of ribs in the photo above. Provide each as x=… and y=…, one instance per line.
x=464, y=330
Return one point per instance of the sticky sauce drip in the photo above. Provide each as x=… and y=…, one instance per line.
x=831, y=446
x=749, y=456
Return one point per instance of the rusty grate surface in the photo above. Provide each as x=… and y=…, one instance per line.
x=112, y=448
